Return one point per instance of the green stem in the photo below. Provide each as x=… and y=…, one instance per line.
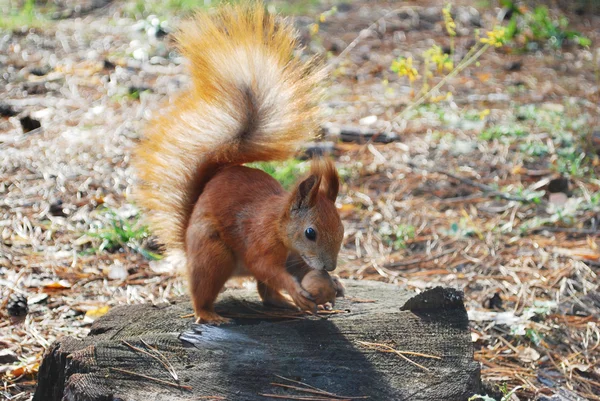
x=468, y=60
x=425, y=86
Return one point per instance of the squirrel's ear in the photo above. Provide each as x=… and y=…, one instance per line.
x=331, y=182
x=305, y=194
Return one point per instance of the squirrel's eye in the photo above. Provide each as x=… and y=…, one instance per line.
x=310, y=233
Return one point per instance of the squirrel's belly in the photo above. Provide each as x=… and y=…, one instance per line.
x=240, y=270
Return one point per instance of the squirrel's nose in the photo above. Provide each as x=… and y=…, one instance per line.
x=330, y=267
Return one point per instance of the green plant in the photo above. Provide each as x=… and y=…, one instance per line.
x=527, y=195
x=506, y=395
x=27, y=15
x=538, y=26
x=285, y=172
x=143, y=8
x=554, y=131
x=396, y=236
x=533, y=336
x=463, y=228
x=403, y=66
x=503, y=132
x=594, y=201
x=534, y=148
x=121, y=233
x=475, y=115
x=571, y=162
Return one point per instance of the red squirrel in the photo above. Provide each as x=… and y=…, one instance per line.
x=251, y=99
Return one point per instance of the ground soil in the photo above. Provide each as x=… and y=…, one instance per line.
x=491, y=190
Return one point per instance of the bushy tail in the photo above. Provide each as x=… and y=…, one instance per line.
x=251, y=99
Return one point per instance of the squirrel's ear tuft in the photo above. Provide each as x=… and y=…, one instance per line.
x=331, y=181
x=325, y=168
x=305, y=194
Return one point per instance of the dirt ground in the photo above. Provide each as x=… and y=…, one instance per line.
x=492, y=190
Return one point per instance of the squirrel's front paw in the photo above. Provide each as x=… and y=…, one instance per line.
x=303, y=299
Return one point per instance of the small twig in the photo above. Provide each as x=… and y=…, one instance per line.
x=387, y=348
x=161, y=358
x=303, y=384
x=284, y=314
x=467, y=61
x=361, y=300
x=301, y=397
x=331, y=312
x=419, y=261
x=306, y=390
x=152, y=379
x=575, y=231
x=167, y=364
x=485, y=188
x=312, y=389
x=11, y=288
x=402, y=352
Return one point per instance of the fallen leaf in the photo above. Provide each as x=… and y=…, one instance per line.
x=94, y=314
x=347, y=207
x=24, y=370
x=518, y=169
x=582, y=253
x=36, y=299
x=528, y=355
x=483, y=76
x=117, y=271
x=579, y=367
x=57, y=285
x=368, y=120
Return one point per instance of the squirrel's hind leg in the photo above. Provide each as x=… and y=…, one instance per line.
x=210, y=263
x=272, y=297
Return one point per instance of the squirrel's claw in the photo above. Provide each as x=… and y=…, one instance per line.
x=303, y=299
x=207, y=317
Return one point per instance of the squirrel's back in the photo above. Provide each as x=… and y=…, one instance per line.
x=251, y=99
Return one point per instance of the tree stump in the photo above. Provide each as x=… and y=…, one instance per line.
x=151, y=352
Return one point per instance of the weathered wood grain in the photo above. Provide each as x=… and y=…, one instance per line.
x=241, y=360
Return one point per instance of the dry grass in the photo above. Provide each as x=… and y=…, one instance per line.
x=442, y=206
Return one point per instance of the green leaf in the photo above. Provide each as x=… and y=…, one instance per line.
x=533, y=336
x=511, y=29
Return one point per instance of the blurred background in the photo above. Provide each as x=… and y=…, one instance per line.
x=466, y=133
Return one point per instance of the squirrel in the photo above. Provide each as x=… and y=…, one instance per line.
x=251, y=99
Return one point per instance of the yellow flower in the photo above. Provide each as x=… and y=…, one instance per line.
x=323, y=16
x=314, y=29
x=448, y=20
x=484, y=113
x=404, y=67
x=439, y=98
x=496, y=38
x=440, y=59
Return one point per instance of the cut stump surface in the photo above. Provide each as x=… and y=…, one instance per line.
x=151, y=352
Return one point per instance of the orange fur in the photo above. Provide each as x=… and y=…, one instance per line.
x=251, y=100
